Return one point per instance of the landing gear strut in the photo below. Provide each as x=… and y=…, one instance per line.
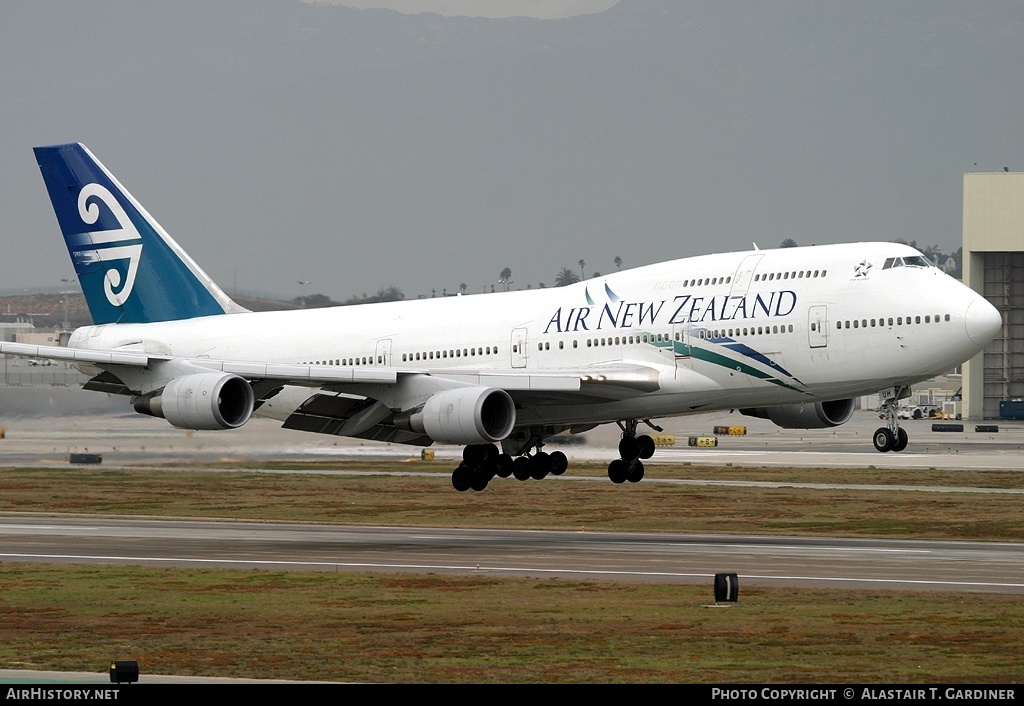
x=632, y=448
x=891, y=437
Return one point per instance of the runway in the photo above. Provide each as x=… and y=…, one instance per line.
x=128, y=440
x=847, y=563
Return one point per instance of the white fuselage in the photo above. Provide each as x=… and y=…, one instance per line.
x=758, y=328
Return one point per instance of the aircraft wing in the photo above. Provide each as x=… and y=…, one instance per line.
x=351, y=400
x=75, y=355
x=607, y=382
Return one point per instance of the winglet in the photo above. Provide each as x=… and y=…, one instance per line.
x=130, y=269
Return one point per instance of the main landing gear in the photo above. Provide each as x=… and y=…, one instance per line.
x=482, y=462
x=632, y=448
x=891, y=437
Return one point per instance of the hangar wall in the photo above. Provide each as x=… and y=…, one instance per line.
x=993, y=242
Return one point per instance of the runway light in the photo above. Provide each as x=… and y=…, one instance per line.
x=124, y=672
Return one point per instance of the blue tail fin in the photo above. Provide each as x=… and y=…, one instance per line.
x=130, y=269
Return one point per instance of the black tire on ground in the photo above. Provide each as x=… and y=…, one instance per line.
x=727, y=588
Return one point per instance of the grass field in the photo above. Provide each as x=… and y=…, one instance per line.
x=426, y=628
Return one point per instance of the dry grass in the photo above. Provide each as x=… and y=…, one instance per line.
x=549, y=504
x=452, y=629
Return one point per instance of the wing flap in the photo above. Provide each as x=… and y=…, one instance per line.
x=76, y=355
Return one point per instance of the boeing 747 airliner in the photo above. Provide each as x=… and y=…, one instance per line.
x=791, y=335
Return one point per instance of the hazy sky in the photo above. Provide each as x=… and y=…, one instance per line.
x=280, y=141
x=541, y=9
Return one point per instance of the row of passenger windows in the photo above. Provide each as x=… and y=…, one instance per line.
x=407, y=357
x=365, y=360
x=766, y=277
x=745, y=331
x=451, y=353
x=789, y=275
x=897, y=321
x=706, y=280
x=704, y=334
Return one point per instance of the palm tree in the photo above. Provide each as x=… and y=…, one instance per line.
x=463, y=287
x=618, y=262
x=505, y=277
x=566, y=276
x=788, y=243
x=582, y=264
x=391, y=293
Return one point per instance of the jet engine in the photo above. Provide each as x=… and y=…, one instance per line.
x=201, y=401
x=819, y=415
x=464, y=415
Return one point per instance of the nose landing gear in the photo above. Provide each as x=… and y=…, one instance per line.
x=891, y=437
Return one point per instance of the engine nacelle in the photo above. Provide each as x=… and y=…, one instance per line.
x=201, y=401
x=464, y=415
x=820, y=415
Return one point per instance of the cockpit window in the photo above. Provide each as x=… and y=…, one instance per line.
x=910, y=261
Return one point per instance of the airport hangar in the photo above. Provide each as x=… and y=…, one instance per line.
x=993, y=265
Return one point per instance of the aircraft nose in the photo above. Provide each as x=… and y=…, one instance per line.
x=983, y=321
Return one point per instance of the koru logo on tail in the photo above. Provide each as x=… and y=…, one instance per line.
x=122, y=243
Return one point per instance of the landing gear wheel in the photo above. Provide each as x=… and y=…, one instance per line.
x=490, y=452
x=541, y=465
x=883, y=439
x=473, y=454
x=629, y=448
x=901, y=440
x=522, y=468
x=645, y=446
x=636, y=472
x=504, y=466
x=617, y=471
x=480, y=479
x=559, y=463
x=462, y=477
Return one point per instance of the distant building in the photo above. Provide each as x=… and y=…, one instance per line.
x=39, y=338
x=993, y=266
x=9, y=331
